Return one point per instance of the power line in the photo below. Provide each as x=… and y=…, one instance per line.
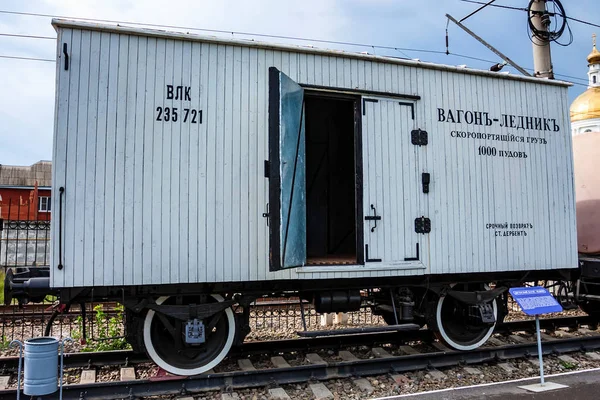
x=399, y=49
x=27, y=36
x=225, y=32
x=495, y=5
x=476, y=11
x=27, y=58
x=583, y=22
x=525, y=9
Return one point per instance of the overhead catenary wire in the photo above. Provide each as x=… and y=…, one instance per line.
x=401, y=50
x=242, y=33
x=27, y=36
x=525, y=9
x=27, y=58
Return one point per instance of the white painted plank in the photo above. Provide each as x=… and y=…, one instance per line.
x=160, y=94
x=211, y=163
x=229, y=202
x=70, y=224
x=59, y=153
x=204, y=154
x=99, y=202
x=194, y=166
x=118, y=268
x=138, y=275
x=168, y=183
x=186, y=172
x=88, y=265
x=175, y=158
x=246, y=218
x=256, y=129
x=129, y=209
x=150, y=138
x=78, y=266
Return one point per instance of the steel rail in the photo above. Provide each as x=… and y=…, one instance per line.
x=304, y=373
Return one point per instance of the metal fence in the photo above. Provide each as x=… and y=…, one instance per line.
x=103, y=324
x=24, y=243
x=24, y=235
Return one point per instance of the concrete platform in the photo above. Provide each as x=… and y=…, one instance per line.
x=582, y=385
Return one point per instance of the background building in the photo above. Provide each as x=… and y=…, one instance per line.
x=25, y=192
x=585, y=110
x=585, y=125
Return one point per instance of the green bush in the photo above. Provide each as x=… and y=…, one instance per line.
x=109, y=330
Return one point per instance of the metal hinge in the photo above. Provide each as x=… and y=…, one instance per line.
x=422, y=225
x=418, y=137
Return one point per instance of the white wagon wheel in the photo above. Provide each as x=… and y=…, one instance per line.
x=169, y=350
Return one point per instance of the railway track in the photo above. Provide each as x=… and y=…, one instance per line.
x=284, y=368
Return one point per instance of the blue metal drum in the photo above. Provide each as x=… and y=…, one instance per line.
x=41, y=366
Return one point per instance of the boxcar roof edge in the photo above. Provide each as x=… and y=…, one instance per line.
x=73, y=24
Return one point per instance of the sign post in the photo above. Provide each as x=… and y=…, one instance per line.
x=536, y=301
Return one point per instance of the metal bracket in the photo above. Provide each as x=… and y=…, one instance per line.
x=413, y=258
x=373, y=217
x=194, y=332
x=425, y=180
x=486, y=313
x=364, y=109
x=412, y=108
x=418, y=137
x=422, y=225
x=367, y=259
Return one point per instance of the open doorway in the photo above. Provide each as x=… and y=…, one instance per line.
x=331, y=201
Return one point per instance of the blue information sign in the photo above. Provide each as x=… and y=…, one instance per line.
x=535, y=300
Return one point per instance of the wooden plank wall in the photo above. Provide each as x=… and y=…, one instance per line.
x=150, y=202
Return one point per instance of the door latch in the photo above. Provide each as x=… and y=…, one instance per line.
x=373, y=217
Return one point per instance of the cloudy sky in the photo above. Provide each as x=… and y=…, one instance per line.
x=27, y=87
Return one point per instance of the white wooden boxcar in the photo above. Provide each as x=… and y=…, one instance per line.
x=181, y=159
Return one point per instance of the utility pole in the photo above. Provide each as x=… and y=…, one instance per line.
x=542, y=61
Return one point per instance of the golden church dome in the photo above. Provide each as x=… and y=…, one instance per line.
x=594, y=57
x=587, y=105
